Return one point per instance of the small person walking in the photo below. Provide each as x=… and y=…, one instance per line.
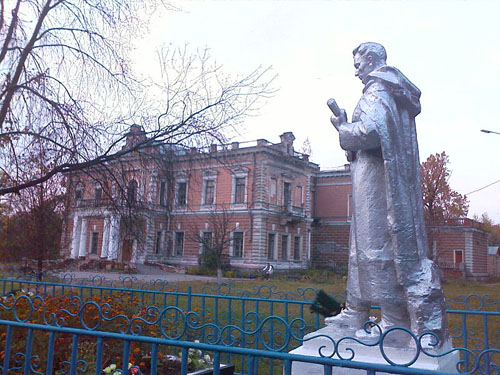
x=268, y=270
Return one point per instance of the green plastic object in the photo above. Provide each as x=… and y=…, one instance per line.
x=326, y=305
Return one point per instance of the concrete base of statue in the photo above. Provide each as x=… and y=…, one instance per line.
x=398, y=349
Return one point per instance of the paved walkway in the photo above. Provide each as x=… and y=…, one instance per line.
x=144, y=273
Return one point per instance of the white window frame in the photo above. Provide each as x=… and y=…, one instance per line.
x=455, y=251
x=158, y=241
x=80, y=187
x=276, y=185
x=175, y=243
x=349, y=199
x=91, y=243
x=209, y=176
x=287, y=235
x=231, y=246
x=275, y=249
x=300, y=248
x=239, y=173
x=290, y=203
x=177, y=182
x=162, y=197
x=202, y=232
x=136, y=192
x=97, y=187
x=301, y=197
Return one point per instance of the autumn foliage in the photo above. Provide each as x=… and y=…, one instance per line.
x=441, y=202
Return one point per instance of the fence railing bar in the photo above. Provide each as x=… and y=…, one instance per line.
x=50, y=352
x=185, y=345
x=8, y=343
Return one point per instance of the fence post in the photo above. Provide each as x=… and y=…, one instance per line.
x=190, y=290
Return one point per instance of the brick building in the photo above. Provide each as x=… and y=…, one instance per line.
x=266, y=189
x=281, y=209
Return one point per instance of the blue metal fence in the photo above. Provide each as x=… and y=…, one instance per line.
x=252, y=329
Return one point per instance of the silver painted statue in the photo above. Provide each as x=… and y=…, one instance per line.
x=388, y=263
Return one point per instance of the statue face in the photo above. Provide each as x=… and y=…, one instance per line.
x=364, y=66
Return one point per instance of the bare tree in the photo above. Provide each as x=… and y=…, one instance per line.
x=216, y=239
x=66, y=81
x=35, y=221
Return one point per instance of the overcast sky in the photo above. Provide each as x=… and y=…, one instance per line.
x=449, y=49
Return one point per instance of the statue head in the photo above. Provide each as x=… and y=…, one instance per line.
x=368, y=57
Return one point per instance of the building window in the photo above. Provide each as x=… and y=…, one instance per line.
x=159, y=235
x=273, y=196
x=206, y=241
x=349, y=206
x=299, y=201
x=458, y=256
x=97, y=192
x=237, y=244
x=287, y=194
x=209, y=192
x=271, y=244
x=132, y=191
x=163, y=192
x=93, y=242
x=284, y=247
x=239, y=189
x=179, y=243
x=79, y=191
x=181, y=195
x=296, y=248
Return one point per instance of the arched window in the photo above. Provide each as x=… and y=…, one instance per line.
x=132, y=191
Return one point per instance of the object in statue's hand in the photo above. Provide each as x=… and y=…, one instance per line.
x=332, y=104
x=326, y=305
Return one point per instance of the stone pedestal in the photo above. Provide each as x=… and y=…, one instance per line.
x=396, y=352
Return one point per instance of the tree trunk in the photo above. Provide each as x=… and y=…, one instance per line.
x=219, y=274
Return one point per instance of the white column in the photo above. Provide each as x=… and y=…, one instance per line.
x=83, y=238
x=105, y=238
x=75, y=239
x=309, y=244
x=114, y=236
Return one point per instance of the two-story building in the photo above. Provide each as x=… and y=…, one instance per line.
x=266, y=190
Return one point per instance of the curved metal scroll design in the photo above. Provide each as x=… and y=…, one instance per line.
x=473, y=302
x=123, y=282
x=261, y=291
x=272, y=333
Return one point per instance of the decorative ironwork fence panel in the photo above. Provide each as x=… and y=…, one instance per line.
x=259, y=321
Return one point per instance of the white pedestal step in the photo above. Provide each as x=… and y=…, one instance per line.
x=399, y=354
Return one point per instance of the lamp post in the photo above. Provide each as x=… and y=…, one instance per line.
x=489, y=131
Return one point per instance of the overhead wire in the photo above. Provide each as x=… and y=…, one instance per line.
x=484, y=187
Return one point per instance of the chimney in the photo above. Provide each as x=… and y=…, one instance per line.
x=347, y=167
x=305, y=157
x=135, y=136
x=213, y=147
x=235, y=146
x=261, y=142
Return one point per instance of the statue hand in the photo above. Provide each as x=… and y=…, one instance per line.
x=337, y=121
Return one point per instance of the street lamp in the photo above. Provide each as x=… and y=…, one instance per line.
x=489, y=131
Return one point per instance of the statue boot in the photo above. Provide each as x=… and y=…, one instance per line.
x=352, y=317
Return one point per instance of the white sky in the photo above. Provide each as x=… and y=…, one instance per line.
x=449, y=49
